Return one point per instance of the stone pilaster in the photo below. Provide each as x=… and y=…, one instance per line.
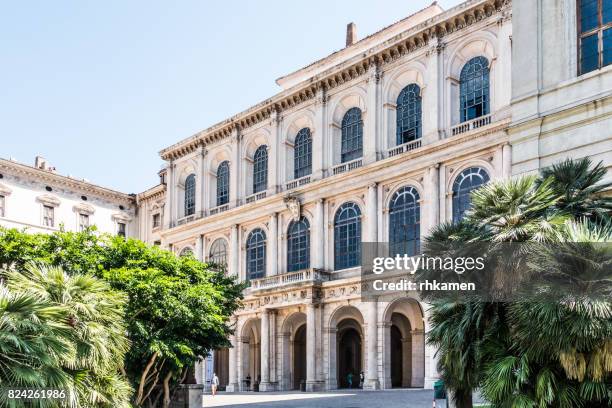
x=371, y=376
x=272, y=259
x=318, y=258
x=265, y=385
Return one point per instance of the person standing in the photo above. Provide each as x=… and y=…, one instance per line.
x=214, y=384
x=349, y=379
x=361, y=379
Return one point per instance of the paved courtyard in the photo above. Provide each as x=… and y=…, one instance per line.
x=332, y=399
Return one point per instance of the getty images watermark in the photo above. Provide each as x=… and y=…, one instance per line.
x=405, y=264
x=490, y=271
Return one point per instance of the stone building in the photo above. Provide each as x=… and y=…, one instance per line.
x=379, y=141
x=38, y=199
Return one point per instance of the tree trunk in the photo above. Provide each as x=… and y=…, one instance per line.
x=143, y=378
x=462, y=398
x=167, y=389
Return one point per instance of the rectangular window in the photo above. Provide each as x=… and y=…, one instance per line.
x=48, y=216
x=121, y=229
x=2, y=205
x=595, y=34
x=83, y=222
x=156, y=220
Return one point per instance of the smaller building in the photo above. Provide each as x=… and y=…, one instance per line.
x=38, y=199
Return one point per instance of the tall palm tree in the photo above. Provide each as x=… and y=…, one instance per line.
x=559, y=352
x=94, y=315
x=34, y=340
x=471, y=333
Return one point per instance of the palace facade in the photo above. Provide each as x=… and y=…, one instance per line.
x=377, y=142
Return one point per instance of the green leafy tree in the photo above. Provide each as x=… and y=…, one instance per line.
x=177, y=308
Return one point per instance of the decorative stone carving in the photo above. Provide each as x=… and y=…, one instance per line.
x=294, y=206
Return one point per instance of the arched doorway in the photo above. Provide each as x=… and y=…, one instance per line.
x=299, y=357
x=293, y=351
x=349, y=355
x=404, y=345
x=221, y=367
x=251, y=356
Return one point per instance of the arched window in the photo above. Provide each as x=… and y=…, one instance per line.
x=409, y=114
x=468, y=180
x=347, y=236
x=218, y=253
x=474, y=89
x=190, y=184
x=223, y=174
x=260, y=169
x=302, y=150
x=404, y=222
x=256, y=254
x=352, y=135
x=298, y=245
x=187, y=251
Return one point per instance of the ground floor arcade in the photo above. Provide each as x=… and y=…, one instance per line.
x=326, y=344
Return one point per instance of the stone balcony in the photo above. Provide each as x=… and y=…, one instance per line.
x=348, y=166
x=305, y=277
x=471, y=125
x=403, y=148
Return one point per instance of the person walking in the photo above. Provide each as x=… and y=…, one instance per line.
x=214, y=384
x=361, y=379
x=349, y=379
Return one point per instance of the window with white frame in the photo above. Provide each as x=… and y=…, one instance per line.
x=156, y=220
x=83, y=221
x=48, y=216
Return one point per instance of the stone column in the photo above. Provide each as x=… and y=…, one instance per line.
x=332, y=379
x=264, y=385
x=199, y=250
x=235, y=166
x=371, y=377
x=273, y=351
x=433, y=99
x=310, y=348
x=199, y=188
x=232, y=386
x=432, y=201
x=168, y=208
x=431, y=363
x=372, y=214
x=318, y=135
x=418, y=358
x=273, y=170
x=370, y=126
x=272, y=258
x=442, y=214
x=507, y=161
x=234, y=251
x=318, y=258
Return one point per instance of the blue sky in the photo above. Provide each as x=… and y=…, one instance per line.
x=99, y=87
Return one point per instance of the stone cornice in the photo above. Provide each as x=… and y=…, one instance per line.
x=154, y=193
x=414, y=39
x=55, y=179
